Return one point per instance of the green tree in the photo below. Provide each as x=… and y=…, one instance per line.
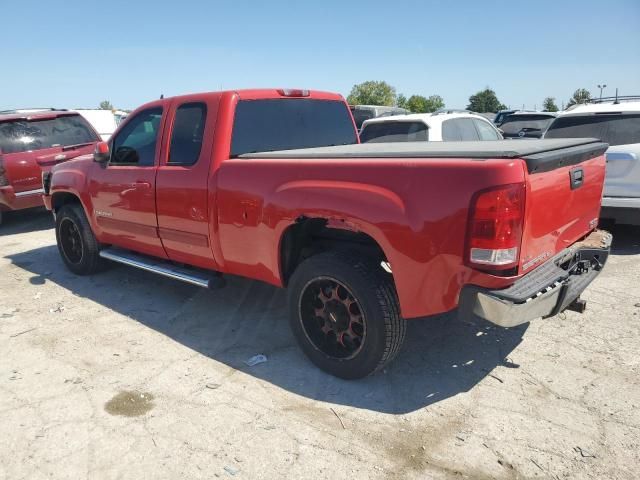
x=401, y=101
x=485, y=101
x=421, y=104
x=434, y=102
x=106, y=105
x=417, y=104
x=581, y=95
x=549, y=105
x=372, y=93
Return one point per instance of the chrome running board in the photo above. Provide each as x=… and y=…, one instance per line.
x=200, y=278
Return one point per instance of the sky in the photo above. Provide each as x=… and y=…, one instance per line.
x=74, y=54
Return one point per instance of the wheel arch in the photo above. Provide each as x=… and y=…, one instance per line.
x=307, y=237
x=61, y=198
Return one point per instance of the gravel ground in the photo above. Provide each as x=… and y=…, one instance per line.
x=128, y=375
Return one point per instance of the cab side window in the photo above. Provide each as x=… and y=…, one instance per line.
x=136, y=143
x=187, y=134
x=451, y=131
x=468, y=130
x=486, y=131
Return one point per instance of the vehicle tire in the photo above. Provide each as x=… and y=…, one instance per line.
x=77, y=244
x=345, y=315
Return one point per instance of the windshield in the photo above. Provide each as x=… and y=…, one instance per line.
x=25, y=135
x=285, y=124
x=614, y=129
x=382, y=132
x=515, y=123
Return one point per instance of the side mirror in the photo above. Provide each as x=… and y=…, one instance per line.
x=101, y=153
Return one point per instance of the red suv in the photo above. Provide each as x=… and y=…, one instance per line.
x=33, y=142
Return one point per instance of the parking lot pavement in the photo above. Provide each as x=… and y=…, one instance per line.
x=128, y=375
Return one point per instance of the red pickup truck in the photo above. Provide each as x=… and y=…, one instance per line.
x=31, y=143
x=273, y=185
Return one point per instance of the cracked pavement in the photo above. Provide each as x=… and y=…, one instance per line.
x=128, y=375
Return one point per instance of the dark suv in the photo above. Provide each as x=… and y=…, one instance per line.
x=30, y=143
x=526, y=124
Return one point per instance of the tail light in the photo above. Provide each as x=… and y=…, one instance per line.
x=495, y=227
x=4, y=181
x=293, y=92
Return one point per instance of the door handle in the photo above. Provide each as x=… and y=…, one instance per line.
x=142, y=185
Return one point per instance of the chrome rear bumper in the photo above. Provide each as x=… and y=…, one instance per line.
x=545, y=291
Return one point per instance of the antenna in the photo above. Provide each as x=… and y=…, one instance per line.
x=161, y=96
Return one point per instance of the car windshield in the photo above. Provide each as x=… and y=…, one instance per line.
x=285, y=124
x=614, y=129
x=382, y=132
x=516, y=123
x=24, y=135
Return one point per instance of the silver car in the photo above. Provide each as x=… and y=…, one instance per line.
x=617, y=122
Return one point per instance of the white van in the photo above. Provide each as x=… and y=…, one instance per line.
x=104, y=121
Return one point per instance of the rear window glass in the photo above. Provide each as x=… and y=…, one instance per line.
x=187, y=134
x=612, y=129
x=459, y=130
x=394, y=132
x=485, y=130
x=359, y=116
x=24, y=135
x=285, y=124
x=515, y=123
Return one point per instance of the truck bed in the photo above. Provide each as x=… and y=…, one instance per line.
x=540, y=155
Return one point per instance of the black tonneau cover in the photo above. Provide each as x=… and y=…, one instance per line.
x=540, y=155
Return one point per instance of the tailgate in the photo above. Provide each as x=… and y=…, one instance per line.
x=564, y=192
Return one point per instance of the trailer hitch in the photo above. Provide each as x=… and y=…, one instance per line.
x=578, y=305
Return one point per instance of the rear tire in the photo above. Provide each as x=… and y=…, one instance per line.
x=345, y=315
x=77, y=244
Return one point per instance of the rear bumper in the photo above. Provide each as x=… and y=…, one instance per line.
x=544, y=292
x=621, y=202
x=621, y=209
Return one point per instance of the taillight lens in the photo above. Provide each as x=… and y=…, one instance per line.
x=495, y=226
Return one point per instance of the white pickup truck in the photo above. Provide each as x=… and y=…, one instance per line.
x=616, y=121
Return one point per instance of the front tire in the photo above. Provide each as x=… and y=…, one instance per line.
x=345, y=315
x=77, y=244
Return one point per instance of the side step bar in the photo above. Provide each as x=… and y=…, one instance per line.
x=201, y=278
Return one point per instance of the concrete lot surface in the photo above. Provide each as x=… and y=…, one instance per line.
x=128, y=375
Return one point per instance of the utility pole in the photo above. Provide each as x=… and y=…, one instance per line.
x=602, y=87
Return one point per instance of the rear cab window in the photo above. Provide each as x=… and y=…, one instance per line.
x=515, y=123
x=24, y=135
x=187, y=134
x=612, y=128
x=394, y=131
x=268, y=125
